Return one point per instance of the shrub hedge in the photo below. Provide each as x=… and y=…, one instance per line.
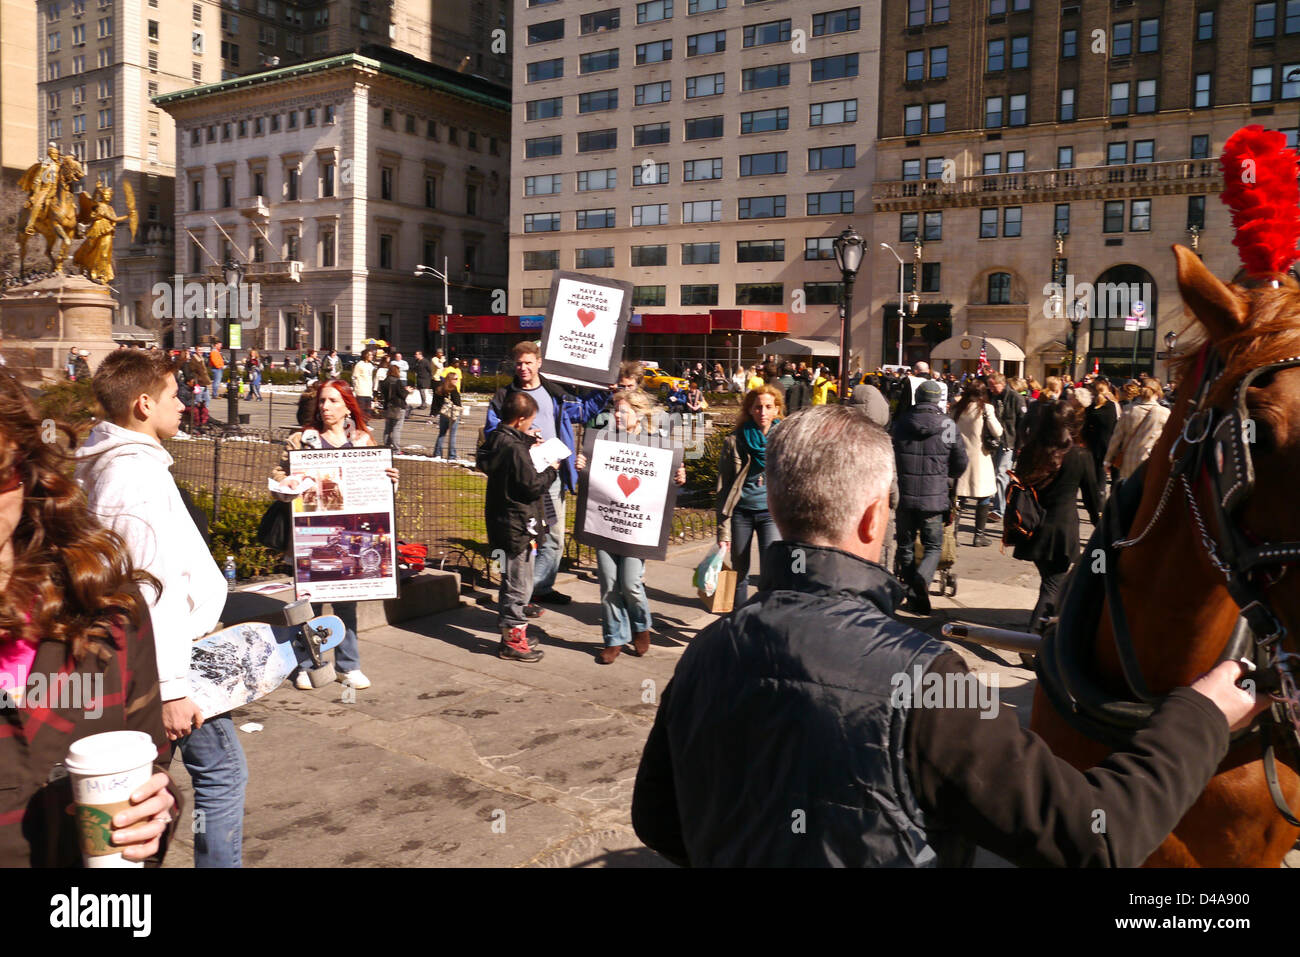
x=235, y=531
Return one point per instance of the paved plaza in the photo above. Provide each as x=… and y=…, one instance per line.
x=457, y=758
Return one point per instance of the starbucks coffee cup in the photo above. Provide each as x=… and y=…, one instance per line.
x=106, y=769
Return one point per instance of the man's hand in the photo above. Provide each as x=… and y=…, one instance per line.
x=138, y=828
x=392, y=476
x=180, y=717
x=582, y=462
x=680, y=476
x=1239, y=706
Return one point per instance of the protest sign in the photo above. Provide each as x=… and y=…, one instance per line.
x=586, y=323
x=626, y=495
x=343, y=544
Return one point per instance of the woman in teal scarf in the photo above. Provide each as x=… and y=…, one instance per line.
x=742, y=483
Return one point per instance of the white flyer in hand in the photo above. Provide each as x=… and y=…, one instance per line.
x=552, y=450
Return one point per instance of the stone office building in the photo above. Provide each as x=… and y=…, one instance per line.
x=1006, y=122
x=332, y=180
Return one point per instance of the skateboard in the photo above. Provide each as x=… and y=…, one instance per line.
x=244, y=662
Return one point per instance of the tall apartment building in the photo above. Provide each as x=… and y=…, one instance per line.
x=102, y=61
x=707, y=152
x=333, y=180
x=1012, y=128
x=18, y=139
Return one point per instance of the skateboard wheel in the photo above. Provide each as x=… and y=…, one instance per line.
x=322, y=676
x=297, y=612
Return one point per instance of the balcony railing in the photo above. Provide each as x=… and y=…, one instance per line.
x=1175, y=176
x=255, y=207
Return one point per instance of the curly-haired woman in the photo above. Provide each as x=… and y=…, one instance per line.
x=71, y=616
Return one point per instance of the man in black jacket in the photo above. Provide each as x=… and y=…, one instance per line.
x=928, y=454
x=805, y=729
x=424, y=381
x=515, y=517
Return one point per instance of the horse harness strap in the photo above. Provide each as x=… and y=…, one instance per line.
x=1225, y=465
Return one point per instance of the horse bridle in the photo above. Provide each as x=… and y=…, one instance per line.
x=1215, y=452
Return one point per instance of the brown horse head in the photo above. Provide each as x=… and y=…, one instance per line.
x=1253, y=325
x=1179, y=611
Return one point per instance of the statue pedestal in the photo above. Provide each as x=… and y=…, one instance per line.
x=41, y=321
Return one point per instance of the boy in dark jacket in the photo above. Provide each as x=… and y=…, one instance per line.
x=515, y=516
x=928, y=453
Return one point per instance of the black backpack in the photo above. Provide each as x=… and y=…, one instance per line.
x=1024, y=513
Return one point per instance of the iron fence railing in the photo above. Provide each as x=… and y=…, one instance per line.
x=439, y=504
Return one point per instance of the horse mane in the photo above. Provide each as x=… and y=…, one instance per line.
x=1272, y=334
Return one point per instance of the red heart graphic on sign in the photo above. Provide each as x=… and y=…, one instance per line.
x=587, y=316
x=629, y=484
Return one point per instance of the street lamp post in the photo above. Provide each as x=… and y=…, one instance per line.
x=849, y=248
x=234, y=272
x=914, y=297
x=1077, y=315
x=446, y=304
x=900, y=299
x=1171, y=340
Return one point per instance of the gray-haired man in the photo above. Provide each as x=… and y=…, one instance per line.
x=795, y=731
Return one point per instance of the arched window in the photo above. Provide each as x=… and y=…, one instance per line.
x=999, y=288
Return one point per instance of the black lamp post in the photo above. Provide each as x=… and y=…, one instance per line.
x=233, y=272
x=849, y=248
x=1077, y=315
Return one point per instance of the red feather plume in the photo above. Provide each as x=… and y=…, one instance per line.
x=1259, y=185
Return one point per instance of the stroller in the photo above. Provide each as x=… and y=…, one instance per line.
x=945, y=577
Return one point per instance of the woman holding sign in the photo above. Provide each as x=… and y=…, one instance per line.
x=625, y=610
x=336, y=422
x=742, y=485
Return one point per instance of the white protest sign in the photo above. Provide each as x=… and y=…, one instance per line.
x=585, y=327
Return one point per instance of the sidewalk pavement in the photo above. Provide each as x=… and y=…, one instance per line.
x=457, y=758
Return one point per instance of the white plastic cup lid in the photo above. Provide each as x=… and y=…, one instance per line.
x=110, y=752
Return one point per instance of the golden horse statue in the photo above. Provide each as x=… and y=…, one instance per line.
x=54, y=212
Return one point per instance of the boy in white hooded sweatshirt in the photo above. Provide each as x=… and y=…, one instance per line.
x=125, y=472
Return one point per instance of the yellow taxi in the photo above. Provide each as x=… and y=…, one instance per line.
x=656, y=378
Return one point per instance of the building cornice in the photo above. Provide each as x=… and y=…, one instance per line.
x=348, y=61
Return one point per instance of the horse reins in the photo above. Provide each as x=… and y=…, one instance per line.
x=1223, y=467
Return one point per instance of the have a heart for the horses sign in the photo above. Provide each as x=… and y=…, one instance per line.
x=626, y=495
x=586, y=323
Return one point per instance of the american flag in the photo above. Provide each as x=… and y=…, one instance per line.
x=984, y=355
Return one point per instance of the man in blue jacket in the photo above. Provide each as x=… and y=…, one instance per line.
x=928, y=453
x=558, y=410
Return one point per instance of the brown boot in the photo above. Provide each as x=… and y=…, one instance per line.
x=607, y=655
x=640, y=643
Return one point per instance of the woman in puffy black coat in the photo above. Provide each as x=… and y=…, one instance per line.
x=1058, y=468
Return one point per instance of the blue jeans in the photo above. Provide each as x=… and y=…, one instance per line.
x=744, y=523
x=910, y=521
x=625, y=610
x=255, y=385
x=550, y=545
x=216, y=383
x=216, y=764
x=446, y=426
x=1002, y=462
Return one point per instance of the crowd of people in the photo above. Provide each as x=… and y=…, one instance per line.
x=114, y=567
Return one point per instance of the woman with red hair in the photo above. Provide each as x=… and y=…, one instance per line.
x=337, y=422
